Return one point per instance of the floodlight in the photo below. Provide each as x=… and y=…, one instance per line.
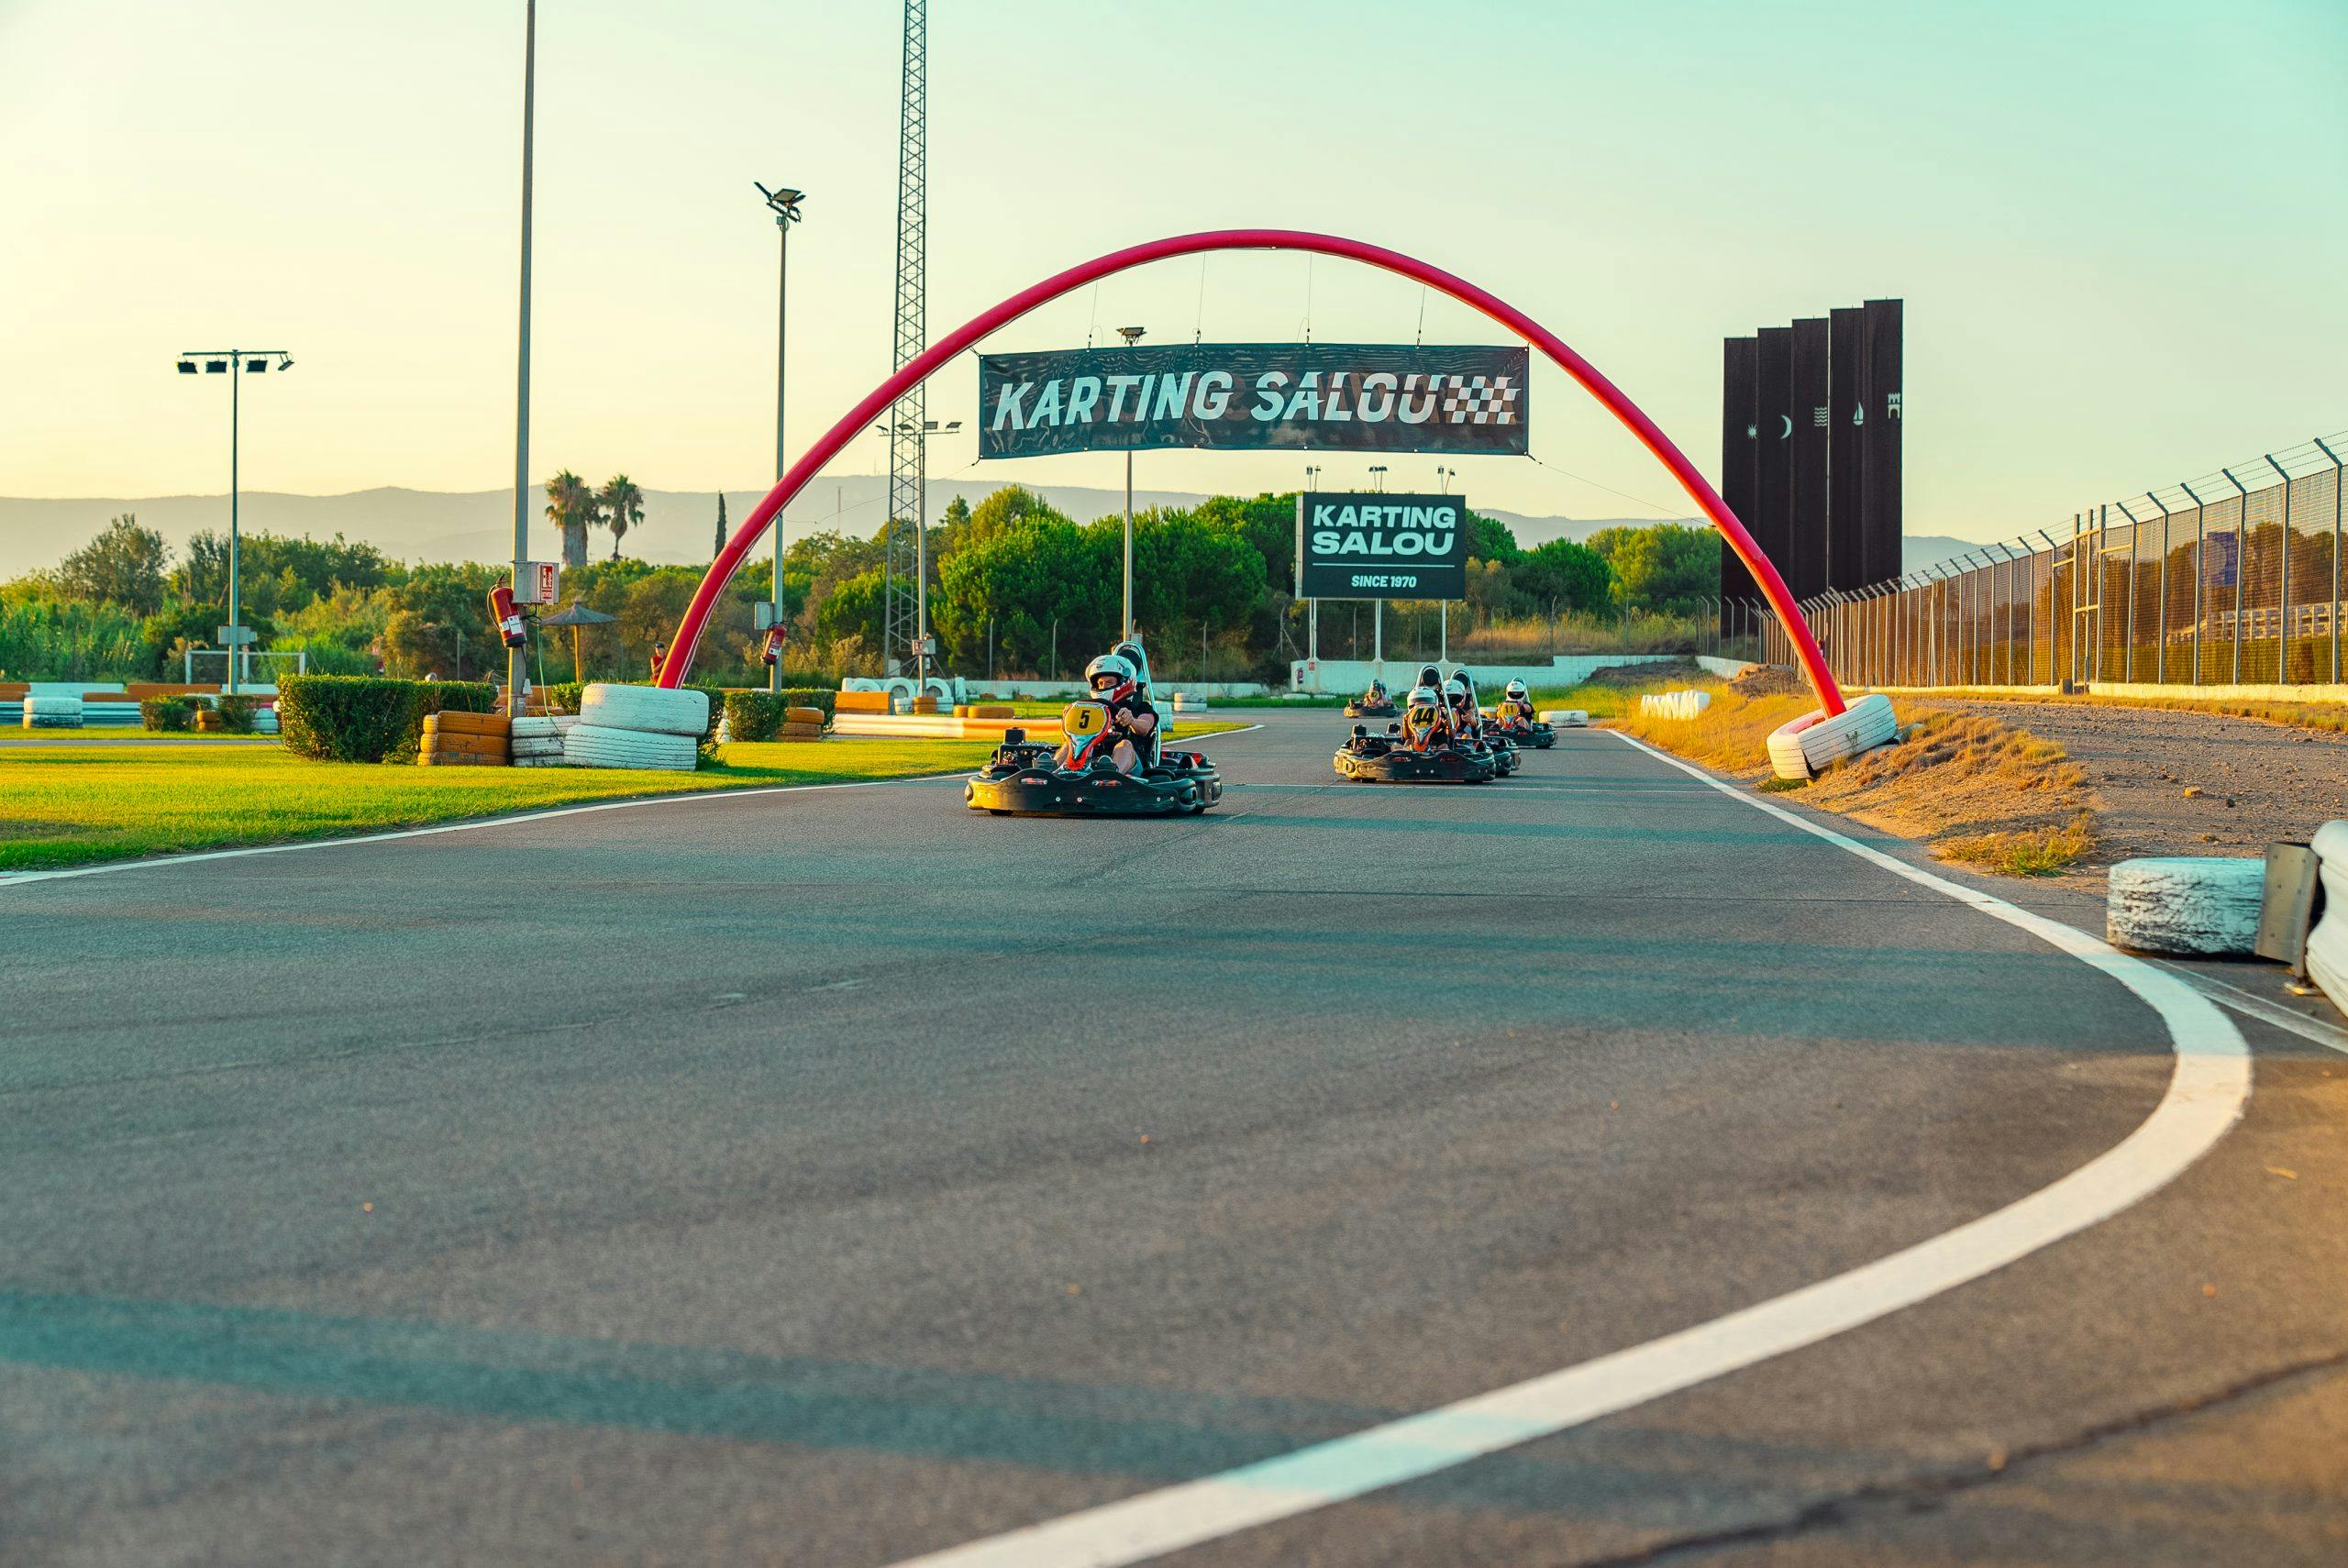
x=187, y=367
x=285, y=363
x=255, y=367
x=1131, y=334
x=215, y=366
x=784, y=202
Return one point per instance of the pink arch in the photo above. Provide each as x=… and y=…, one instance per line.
x=1773, y=586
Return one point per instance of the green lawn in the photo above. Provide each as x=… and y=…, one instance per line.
x=96, y=736
x=69, y=805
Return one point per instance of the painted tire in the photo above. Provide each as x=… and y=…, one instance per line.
x=2201, y=905
x=652, y=710
x=451, y=721
x=1801, y=748
x=596, y=746
x=540, y=728
x=531, y=745
x=2328, y=942
x=1566, y=718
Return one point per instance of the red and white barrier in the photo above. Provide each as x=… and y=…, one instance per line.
x=1801, y=748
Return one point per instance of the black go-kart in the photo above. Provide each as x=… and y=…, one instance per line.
x=1391, y=759
x=1522, y=732
x=1029, y=778
x=1373, y=703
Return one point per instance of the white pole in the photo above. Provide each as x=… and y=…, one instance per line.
x=235, y=623
x=515, y=669
x=782, y=275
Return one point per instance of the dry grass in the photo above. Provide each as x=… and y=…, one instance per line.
x=1975, y=788
x=2328, y=716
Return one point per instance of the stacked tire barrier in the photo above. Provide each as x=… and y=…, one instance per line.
x=110, y=710
x=802, y=723
x=1803, y=748
x=639, y=726
x=1675, y=704
x=2327, y=955
x=538, y=742
x=1566, y=718
x=453, y=739
x=50, y=711
x=2188, y=905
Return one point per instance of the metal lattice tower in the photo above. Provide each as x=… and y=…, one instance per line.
x=907, y=475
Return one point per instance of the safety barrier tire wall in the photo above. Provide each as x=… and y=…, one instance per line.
x=1566, y=718
x=655, y=710
x=1801, y=748
x=2327, y=959
x=597, y=746
x=2201, y=906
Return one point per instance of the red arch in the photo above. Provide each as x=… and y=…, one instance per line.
x=933, y=358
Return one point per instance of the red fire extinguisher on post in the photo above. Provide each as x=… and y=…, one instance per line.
x=508, y=617
x=772, y=653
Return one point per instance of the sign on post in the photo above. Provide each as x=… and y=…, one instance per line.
x=1381, y=546
x=234, y=636
x=538, y=582
x=1297, y=396
x=761, y=614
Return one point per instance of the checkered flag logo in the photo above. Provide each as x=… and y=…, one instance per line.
x=1481, y=400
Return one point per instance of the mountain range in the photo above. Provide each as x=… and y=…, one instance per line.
x=679, y=527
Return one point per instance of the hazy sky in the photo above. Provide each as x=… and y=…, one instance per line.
x=2118, y=226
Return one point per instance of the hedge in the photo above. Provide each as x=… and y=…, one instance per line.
x=236, y=712
x=360, y=718
x=167, y=712
x=758, y=715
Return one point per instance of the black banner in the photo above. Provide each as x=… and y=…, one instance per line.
x=1381, y=546
x=1299, y=396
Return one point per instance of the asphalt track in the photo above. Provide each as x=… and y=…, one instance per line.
x=837, y=1177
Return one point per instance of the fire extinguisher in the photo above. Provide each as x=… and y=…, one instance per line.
x=508, y=616
x=772, y=652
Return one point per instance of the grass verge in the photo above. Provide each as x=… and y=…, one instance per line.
x=1972, y=788
x=73, y=805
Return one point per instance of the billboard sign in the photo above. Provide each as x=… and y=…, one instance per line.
x=1351, y=545
x=1253, y=396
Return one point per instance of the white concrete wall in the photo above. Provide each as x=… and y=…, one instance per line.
x=1343, y=677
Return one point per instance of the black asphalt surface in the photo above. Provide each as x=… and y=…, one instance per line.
x=827, y=1177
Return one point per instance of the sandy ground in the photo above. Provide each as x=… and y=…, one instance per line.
x=2258, y=783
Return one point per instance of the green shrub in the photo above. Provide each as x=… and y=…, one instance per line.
x=826, y=697
x=236, y=712
x=167, y=714
x=754, y=716
x=562, y=696
x=351, y=718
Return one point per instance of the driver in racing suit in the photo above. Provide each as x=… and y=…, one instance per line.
x=1516, y=706
x=1466, y=719
x=1116, y=682
x=1426, y=723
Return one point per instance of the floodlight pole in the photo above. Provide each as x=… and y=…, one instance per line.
x=516, y=665
x=784, y=202
x=1132, y=334
x=235, y=385
x=1312, y=606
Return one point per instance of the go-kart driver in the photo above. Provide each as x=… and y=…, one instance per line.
x=1466, y=719
x=1115, y=680
x=1427, y=722
x=1516, y=704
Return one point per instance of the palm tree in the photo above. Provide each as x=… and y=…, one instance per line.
x=570, y=506
x=623, y=506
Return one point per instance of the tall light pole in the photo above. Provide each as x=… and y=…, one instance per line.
x=516, y=660
x=236, y=364
x=929, y=428
x=784, y=202
x=1443, y=606
x=1132, y=334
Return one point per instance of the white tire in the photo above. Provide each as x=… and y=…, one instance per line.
x=594, y=745
x=537, y=728
x=1566, y=718
x=1803, y=748
x=2328, y=942
x=557, y=760
x=549, y=746
x=653, y=709
x=2200, y=905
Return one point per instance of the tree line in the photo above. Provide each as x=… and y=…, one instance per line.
x=1018, y=588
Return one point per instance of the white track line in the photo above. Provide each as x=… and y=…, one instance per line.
x=14, y=878
x=2251, y=1005
x=2205, y=1094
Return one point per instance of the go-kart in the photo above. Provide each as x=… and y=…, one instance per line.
x=1081, y=778
x=1373, y=703
x=1391, y=759
x=1522, y=732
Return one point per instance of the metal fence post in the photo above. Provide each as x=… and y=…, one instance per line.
x=2160, y=654
x=2135, y=531
x=2283, y=589
x=2338, y=482
x=2241, y=560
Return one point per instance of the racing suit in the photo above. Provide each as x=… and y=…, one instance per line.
x=1133, y=728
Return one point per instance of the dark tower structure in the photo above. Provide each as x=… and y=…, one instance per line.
x=1808, y=404
x=1879, y=499
x=1740, y=454
x=1846, y=555
x=1770, y=524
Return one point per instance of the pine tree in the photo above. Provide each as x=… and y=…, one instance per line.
x=721, y=526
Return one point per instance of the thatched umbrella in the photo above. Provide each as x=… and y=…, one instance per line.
x=575, y=615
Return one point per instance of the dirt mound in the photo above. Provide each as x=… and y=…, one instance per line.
x=1630, y=675
x=1770, y=680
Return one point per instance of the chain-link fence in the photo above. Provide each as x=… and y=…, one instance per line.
x=2230, y=580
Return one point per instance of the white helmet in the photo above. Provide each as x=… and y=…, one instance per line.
x=1516, y=691
x=1110, y=672
x=1424, y=697
x=1456, y=688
